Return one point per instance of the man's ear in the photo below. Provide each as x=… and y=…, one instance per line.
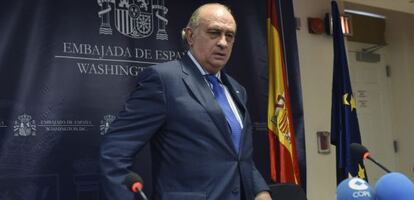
x=189, y=36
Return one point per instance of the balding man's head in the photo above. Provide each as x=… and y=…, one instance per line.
x=194, y=20
x=195, y=17
x=210, y=35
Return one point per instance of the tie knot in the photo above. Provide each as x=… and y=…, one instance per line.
x=212, y=78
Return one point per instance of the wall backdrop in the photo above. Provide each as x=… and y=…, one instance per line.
x=66, y=68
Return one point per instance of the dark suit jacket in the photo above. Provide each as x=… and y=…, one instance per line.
x=193, y=157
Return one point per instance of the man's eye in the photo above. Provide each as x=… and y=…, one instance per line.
x=214, y=33
x=230, y=35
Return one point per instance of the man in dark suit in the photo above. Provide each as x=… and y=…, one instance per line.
x=195, y=118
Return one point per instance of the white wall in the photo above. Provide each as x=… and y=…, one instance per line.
x=400, y=36
x=316, y=60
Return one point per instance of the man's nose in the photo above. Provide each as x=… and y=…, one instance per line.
x=223, y=43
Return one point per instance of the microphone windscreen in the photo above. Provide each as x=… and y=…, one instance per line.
x=394, y=186
x=358, y=151
x=354, y=189
x=131, y=179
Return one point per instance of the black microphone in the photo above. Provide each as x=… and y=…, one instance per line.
x=135, y=183
x=361, y=153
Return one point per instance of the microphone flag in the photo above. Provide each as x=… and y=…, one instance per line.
x=354, y=189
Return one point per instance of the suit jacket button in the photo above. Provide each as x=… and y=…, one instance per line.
x=235, y=190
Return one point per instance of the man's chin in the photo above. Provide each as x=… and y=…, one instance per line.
x=219, y=66
x=214, y=68
x=219, y=63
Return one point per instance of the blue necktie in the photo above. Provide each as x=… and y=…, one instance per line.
x=228, y=113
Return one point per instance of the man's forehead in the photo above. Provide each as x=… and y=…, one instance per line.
x=222, y=26
x=216, y=13
x=224, y=22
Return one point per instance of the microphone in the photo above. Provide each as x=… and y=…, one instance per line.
x=135, y=183
x=354, y=189
x=360, y=152
x=394, y=186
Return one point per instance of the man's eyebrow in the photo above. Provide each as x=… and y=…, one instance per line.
x=216, y=28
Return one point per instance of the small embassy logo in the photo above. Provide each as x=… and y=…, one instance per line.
x=24, y=126
x=133, y=18
x=108, y=119
x=2, y=124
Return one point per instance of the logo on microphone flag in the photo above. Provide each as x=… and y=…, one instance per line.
x=354, y=188
x=344, y=120
x=358, y=184
x=283, y=158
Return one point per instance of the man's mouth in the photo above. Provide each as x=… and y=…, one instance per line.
x=220, y=54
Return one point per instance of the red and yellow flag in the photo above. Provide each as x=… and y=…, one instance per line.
x=283, y=160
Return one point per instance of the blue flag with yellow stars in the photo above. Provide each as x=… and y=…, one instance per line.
x=344, y=121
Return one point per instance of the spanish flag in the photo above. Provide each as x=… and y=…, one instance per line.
x=283, y=159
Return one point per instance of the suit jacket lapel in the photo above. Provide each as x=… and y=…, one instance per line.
x=236, y=94
x=202, y=93
x=238, y=99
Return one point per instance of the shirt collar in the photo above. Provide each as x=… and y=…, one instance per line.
x=201, y=69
